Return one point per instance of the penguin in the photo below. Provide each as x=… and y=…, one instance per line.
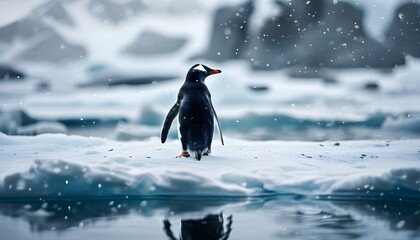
x=195, y=112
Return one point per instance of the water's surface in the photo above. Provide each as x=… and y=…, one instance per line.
x=280, y=218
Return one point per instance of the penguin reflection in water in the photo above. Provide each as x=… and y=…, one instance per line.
x=195, y=112
x=209, y=228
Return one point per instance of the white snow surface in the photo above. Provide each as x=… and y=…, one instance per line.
x=58, y=166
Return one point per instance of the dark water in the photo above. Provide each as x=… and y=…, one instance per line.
x=279, y=218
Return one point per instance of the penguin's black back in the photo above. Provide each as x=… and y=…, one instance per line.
x=196, y=117
x=196, y=114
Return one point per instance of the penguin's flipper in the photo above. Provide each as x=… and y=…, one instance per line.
x=168, y=122
x=218, y=125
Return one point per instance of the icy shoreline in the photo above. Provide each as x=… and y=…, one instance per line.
x=56, y=166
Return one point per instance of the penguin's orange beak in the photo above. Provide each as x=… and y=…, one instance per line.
x=214, y=71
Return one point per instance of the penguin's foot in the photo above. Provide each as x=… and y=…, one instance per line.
x=206, y=153
x=184, y=154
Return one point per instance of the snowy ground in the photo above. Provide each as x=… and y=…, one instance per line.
x=61, y=166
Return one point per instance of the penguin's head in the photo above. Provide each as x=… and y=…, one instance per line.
x=199, y=72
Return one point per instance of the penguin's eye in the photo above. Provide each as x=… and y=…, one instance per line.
x=200, y=68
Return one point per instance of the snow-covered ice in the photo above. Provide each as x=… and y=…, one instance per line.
x=56, y=166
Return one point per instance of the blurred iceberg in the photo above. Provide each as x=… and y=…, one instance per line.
x=338, y=69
